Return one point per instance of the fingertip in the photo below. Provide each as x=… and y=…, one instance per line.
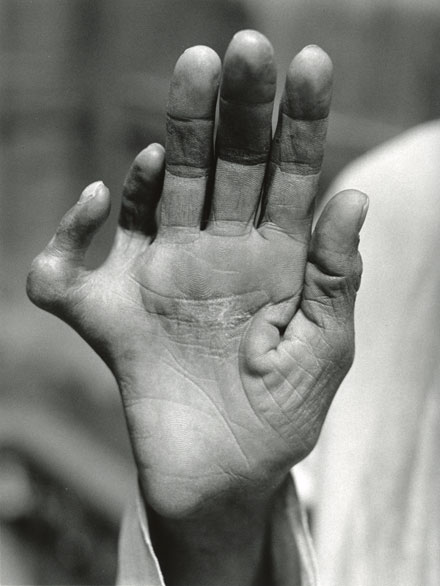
x=149, y=162
x=351, y=207
x=249, y=69
x=336, y=236
x=194, y=84
x=309, y=84
x=90, y=191
x=93, y=205
x=202, y=55
x=154, y=156
x=155, y=150
x=252, y=45
x=314, y=55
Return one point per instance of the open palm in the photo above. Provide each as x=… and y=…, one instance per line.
x=229, y=326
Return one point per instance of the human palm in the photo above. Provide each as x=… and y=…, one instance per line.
x=228, y=326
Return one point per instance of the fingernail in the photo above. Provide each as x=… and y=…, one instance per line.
x=90, y=191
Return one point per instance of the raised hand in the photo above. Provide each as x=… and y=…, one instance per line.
x=228, y=326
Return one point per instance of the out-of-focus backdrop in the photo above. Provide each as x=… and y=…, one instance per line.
x=83, y=87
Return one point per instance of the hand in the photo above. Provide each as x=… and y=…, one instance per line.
x=228, y=326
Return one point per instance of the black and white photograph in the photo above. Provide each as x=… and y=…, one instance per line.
x=219, y=293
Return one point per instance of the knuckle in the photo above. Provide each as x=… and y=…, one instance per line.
x=44, y=281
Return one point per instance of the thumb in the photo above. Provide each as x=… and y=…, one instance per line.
x=61, y=263
x=334, y=264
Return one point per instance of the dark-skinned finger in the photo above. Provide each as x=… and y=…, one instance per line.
x=61, y=262
x=189, y=143
x=334, y=265
x=142, y=190
x=245, y=128
x=298, y=146
x=78, y=226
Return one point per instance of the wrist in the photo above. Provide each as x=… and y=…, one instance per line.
x=228, y=542
x=205, y=499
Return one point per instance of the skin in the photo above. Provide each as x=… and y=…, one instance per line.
x=227, y=324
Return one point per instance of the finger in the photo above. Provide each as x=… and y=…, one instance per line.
x=298, y=146
x=189, y=143
x=142, y=189
x=334, y=266
x=77, y=228
x=304, y=364
x=61, y=262
x=245, y=129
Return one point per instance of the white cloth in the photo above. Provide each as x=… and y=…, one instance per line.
x=378, y=466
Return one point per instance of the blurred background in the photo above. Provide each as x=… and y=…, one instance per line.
x=83, y=88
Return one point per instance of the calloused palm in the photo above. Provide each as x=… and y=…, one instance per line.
x=228, y=326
